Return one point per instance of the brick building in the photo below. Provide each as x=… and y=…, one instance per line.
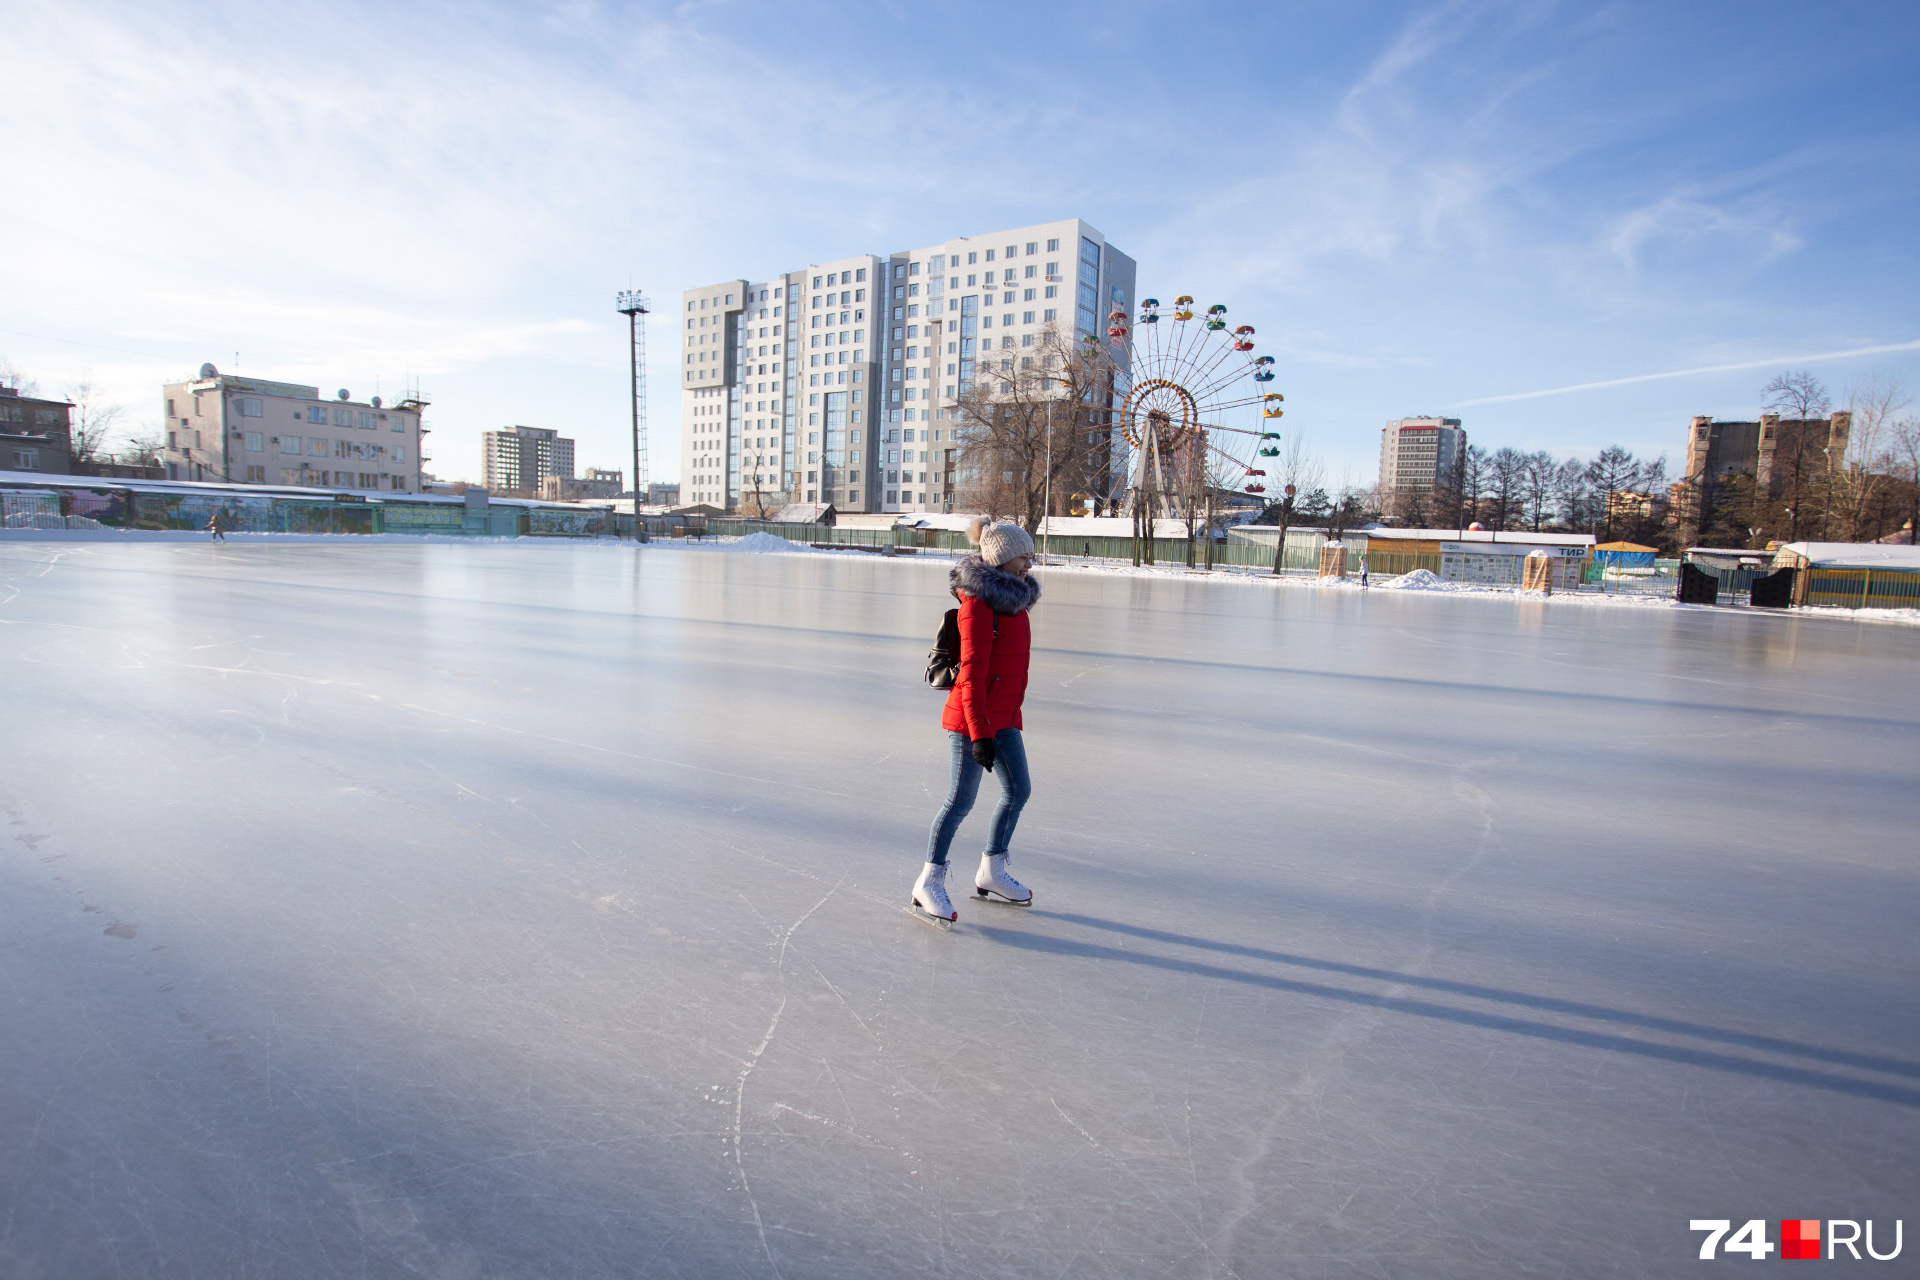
x=35, y=434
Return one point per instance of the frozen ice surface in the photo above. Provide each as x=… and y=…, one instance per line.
x=536, y=909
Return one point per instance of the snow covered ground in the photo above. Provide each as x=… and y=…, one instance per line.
x=526, y=908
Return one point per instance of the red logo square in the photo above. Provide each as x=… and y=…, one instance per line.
x=1800, y=1238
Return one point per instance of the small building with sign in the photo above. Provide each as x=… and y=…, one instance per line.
x=1487, y=557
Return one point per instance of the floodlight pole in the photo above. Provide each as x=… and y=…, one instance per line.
x=634, y=305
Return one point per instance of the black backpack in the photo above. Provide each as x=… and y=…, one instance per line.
x=943, y=660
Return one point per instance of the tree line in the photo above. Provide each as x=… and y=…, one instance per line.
x=1868, y=490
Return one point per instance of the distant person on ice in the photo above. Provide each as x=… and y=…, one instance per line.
x=982, y=716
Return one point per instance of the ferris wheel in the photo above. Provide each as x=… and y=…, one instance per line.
x=1198, y=412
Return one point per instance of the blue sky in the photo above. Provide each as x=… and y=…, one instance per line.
x=1421, y=207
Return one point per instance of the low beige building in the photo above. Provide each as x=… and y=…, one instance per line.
x=253, y=431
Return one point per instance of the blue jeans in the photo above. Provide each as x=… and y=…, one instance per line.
x=1009, y=765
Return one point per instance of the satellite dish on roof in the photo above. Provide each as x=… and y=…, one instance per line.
x=342, y=393
x=376, y=402
x=208, y=371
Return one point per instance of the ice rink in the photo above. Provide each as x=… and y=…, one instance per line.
x=535, y=909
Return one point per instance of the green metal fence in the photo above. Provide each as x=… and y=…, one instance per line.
x=1863, y=589
x=1302, y=555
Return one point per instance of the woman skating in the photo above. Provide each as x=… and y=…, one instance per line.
x=982, y=716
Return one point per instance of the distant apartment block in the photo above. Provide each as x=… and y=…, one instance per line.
x=35, y=434
x=252, y=431
x=519, y=460
x=1419, y=460
x=597, y=484
x=838, y=383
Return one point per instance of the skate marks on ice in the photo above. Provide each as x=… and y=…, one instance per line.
x=753, y=1060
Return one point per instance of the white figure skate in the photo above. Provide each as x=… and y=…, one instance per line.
x=929, y=899
x=994, y=881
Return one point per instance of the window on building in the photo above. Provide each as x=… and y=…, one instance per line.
x=290, y=444
x=1048, y=315
x=316, y=413
x=971, y=259
x=989, y=255
x=256, y=441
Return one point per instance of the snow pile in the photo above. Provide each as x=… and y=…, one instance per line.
x=763, y=542
x=1418, y=580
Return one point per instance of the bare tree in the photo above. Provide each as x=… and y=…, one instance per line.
x=93, y=421
x=1035, y=421
x=1353, y=506
x=1799, y=460
x=14, y=380
x=758, y=504
x=1507, y=471
x=1536, y=487
x=1297, y=465
x=1474, y=474
x=1797, y=395
x=1614, y=470
x=142, y=447
x=1875, y=405
x=1905, y=453
x=1571, y=495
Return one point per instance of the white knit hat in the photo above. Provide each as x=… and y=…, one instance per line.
x=1000, y=540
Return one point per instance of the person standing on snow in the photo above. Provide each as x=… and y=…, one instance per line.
x=982, y=715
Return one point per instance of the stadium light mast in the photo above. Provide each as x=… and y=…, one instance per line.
x=633, y=305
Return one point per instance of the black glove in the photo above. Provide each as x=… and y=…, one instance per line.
x=983, y=753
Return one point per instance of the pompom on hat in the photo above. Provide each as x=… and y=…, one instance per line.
x=999, y=540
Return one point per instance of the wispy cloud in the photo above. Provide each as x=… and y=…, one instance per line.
x=1816, y=357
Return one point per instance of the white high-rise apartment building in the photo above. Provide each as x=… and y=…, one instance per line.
x=1419, y=456
x=837, y=384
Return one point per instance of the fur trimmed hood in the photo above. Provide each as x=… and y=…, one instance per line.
x=1002, y=592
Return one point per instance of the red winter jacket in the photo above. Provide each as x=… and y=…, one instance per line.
x=992, y=682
